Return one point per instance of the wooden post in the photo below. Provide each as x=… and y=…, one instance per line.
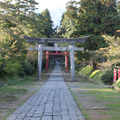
x=47, y=60
x=66, y=60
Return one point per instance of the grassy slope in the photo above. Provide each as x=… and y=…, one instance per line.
x=9, y=79
x=117, y=84
x=95, y=75
x=86, y=70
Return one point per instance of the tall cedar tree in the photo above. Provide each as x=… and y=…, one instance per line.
x=97, y=17
x=67, y=23
x=48, y=31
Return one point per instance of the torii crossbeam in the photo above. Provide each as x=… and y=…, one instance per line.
x=71, y=48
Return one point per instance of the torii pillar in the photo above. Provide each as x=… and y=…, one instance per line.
x=40, y=47
x=72, y=63
x=66, y=60
x=47, y=60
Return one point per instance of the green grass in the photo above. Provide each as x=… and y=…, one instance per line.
x=16, y=88
x=109, y=95
x=86, y=70
x=24, y=82
x=11, y=90
x=9, y=93
x=8, y=79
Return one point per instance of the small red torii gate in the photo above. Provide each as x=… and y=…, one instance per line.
x=47, y=58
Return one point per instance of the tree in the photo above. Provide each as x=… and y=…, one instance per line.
x=118, y=7
x=95, y=18
x=48, y=23
x=68, y=21
x=13, y=25
x=68, y=24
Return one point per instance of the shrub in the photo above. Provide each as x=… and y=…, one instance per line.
x=28, y=68
x=21, y=72
x=107, y=78
x=11, y=68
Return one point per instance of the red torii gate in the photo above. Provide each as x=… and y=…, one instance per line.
x=47, y=58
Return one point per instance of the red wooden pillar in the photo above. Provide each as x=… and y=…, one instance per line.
x=47, y=60
x=66, y=60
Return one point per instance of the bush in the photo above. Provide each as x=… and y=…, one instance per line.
x=29, y=69
x=26, y=69
x=107, y=78
x=11, y=68
x=21, y=72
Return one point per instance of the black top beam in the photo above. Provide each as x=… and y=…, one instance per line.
x=56, y=40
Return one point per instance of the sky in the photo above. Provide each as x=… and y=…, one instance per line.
x=56, y=8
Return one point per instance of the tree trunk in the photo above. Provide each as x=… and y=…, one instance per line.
x=94, y=65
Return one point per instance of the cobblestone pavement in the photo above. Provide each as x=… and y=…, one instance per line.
x=52, y=102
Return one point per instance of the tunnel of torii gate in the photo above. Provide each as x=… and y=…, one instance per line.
x=40, y=48
x=47, y=58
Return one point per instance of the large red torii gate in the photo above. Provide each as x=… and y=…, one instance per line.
x=47, y=58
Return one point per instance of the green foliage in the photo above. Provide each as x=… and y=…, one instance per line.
x=107, y=77
x=95, y=43
x=11, y=68
x=69, y=26
x=68, y=22
x=47, y=28
x=94, y=18
x=61, y=31
x=97, y=17
x=118, y=8
x=28, y=68
x=18, y=18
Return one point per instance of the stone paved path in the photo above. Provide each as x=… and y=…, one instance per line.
x=52, y=102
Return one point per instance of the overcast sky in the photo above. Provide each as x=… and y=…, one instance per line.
x=56, y=8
